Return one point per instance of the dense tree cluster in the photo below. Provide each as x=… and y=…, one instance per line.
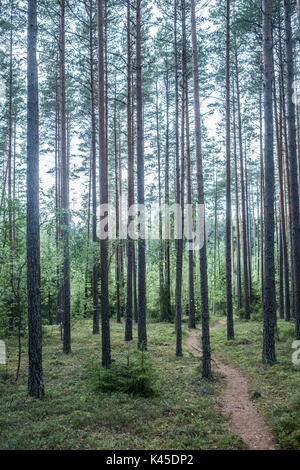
x=149, y=103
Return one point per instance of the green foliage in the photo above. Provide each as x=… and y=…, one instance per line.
x=134, y=374
x=286, y=423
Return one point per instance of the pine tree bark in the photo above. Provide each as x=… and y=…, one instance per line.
x=130, y=244
x=103, y=167
x=243, y=197
x=293, y=166
x=191, y=307
x=65, y=203
x=179, y=244
x=269, y=355
x=35, y=377
x=95, y=275
x=117, y=209
x=238, y=237
x=142, y=331
x=206, y=361
x=161, y=253
x=230, y=327
x=167, y=200
x=284, y=260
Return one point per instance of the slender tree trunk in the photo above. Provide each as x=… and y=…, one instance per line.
x=104, y=266
x=65, y=204
x=262, y=193
x=191, y=309
x=142, y=332
x=167, y=201
x=230, y=327
x=269, y=355
x=206, y=361
x=130, y=244
x=117, y=203
x=35, y=378
x=238, y=238
x=179, y=244
x=283, y=240
x=161, y=253
x=293, y=166
x=243, y=197
x=95, y=274
x=87, y=247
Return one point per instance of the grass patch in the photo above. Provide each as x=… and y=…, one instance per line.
x=184, y=414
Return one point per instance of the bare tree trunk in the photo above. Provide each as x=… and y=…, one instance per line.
x=142, y=332
x=95, y=275
x=243, y=197
x=117, y=203
x=283, y=241
x=104, y=266
x=206, y=361
x=269, y=355
x=293, y=166
x=35, y=378
x=179, y=245
x=87, y=246
x=230, y=327
x=161, y=253
x=262, y=193
x=65, y=204
x=130, y=243
x=238, y=236
x=167, y=201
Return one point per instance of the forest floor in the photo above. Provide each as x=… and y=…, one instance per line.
x=185, y=414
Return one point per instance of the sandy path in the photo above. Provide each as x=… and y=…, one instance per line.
x=244, y=418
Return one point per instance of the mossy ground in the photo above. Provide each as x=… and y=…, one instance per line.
x=275, y=389
x=185, y=413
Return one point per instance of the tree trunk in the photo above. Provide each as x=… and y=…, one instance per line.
x=65, y=204
x=35, y=378
x=104, y=266
x=179, y=244
x=130, y=245
x=230, y=327
x=268, y=355
x=238, y=237
x=95, y=275
x=206, y=361
x=293, y=166
x=167, y=202
x=161, y=253
x=117, y=208
x=142, y=332
x=243, y=197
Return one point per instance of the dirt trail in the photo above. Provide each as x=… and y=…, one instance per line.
x=244, y=418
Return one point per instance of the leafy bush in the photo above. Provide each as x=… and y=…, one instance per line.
x=134, y=375
x=286, y=424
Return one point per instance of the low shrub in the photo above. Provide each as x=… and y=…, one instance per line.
x=134, y=374
x=286, y=423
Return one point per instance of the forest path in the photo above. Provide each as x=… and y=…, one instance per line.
x=244, y=418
